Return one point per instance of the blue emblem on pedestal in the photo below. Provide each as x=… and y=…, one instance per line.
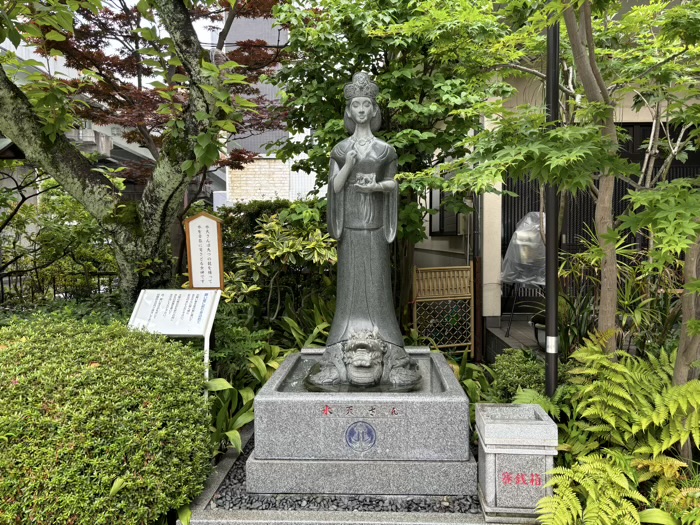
x=360, y=436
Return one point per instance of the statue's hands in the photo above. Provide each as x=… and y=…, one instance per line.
x=351, y=158
x=369, y=188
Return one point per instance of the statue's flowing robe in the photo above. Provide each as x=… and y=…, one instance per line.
x=365, y=225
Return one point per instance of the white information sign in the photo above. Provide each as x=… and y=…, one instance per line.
x=177, y=313
x=204, y=251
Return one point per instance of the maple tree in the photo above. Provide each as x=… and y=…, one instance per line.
x=141, y=67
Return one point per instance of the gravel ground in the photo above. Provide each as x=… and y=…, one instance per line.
x=233, y=496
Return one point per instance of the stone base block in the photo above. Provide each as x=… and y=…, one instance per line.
x=524, y=516
x=429, y=424
x=275, y=476
x=268, y=517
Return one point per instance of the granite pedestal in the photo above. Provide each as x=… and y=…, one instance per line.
x=517, y=445
x=362, y=442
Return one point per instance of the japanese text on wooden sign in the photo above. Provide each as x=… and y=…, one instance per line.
x=205, y=251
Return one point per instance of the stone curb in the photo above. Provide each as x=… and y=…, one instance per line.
x=203, y=515
x=274, y=517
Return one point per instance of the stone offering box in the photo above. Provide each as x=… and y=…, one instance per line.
x=517, y=445
x=362, y=442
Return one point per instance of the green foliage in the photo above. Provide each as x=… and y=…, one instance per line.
x=309, y=324
x=670, y=212
x=604, y=482
x=681, y=22
x=103, y=309
x=476, y=381
x=235, y=343
x=52, y=96
x=514, y=370
x=517, y=375
x=518, y=369
x=286, y=279
x=132, y=62
x=648, y=306
x=417, y=90
x=99, y=424
x=620, y=421
x=231, y=410
x=54, y=242
x=242, y=360
x=428, y=105
x=23, y=21
x=522, y=145
x=240, y=224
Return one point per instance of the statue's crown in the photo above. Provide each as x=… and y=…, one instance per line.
x=361, y=86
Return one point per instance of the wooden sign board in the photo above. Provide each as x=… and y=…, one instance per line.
x=205, y=254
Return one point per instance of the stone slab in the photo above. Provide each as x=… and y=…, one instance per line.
x=516, y=427
x=431, y=424
x=360, y=477
x=219, y=517
x=521, y=484
x=513, y=483
x=525, y=516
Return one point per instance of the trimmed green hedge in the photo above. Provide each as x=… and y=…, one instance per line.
x=88, y=410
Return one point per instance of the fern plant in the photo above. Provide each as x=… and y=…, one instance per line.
x=620, y=418
x=598, y=489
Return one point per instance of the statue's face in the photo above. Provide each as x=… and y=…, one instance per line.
x=361, y=109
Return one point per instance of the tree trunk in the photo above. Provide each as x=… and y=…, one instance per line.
x=689, y=346
x=136, y=273
x=582, y=46
x=607, y=310
x=140, y=233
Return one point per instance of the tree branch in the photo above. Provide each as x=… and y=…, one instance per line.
x=163, y=195
x=587, y=24
x=177, y=21
x=223, y=34
x=644, y=73
x=534, y=72
x=666, y=166
x=63, y=160
x=581, y=59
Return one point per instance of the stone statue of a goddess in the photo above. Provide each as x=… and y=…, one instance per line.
x=365, y=347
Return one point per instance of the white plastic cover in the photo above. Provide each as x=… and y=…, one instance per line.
x=524, y=262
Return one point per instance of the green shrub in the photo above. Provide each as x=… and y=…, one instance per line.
x=288, y=278
x=235, y=343
x=241, y=224
x=516, y=369
x=98, y=424
x=99, y=309
x=519, y=369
